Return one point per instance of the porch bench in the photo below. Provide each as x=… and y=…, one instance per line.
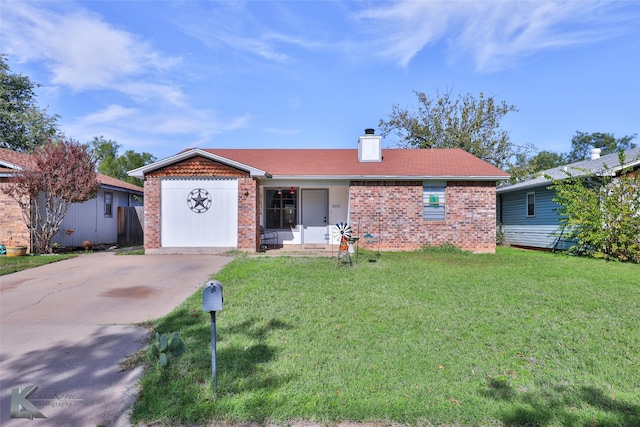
x=267, y=238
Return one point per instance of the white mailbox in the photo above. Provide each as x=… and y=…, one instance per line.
x=212, y=296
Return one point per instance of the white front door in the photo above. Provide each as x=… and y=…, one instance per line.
x=315, y=214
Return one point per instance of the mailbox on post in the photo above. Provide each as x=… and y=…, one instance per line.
x=212, y=296
x=212, y=301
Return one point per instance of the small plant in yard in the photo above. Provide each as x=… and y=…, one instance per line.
x=444, y=248
x=163, y=347
x=131, y=252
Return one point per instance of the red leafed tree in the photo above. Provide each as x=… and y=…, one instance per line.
x=61, y=173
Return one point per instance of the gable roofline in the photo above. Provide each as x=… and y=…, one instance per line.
x=187, y=154
x=107, y=182
x=9, y=165
x=607, y=165
x=16, y=162
x=391, y=177
x=343, y=164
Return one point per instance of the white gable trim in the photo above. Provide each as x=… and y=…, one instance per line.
x=10, y=165
x=142, y=171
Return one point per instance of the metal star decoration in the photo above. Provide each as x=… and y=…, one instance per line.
x=199, y=200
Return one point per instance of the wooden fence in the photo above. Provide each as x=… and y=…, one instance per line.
x=130, y=231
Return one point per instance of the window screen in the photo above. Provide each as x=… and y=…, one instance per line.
x=433, y=202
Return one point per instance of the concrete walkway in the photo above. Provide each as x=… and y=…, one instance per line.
x=67, y=326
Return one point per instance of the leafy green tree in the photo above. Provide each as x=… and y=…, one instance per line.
x=547, y=160
x=114, y=165
x=466, y=122
x=602, y=213
x=526, y=167
x=23, y=125
x=583, y=142
x=61, y=173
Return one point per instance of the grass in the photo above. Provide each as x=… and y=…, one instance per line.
x=13, y=264
x=516, y=338
x=131, y=252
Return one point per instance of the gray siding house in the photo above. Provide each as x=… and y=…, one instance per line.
x=98, y=220
x=527, y=215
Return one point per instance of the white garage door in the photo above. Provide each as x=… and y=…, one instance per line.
x=199, y=213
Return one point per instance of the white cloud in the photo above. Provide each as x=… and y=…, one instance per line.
x=145, y=92
x=167, y=131
x=229, y=26
x=256, y=46
x=168, y=122
x=403, y=29
x=496, y=34
x=80, y=49
x=108, y=115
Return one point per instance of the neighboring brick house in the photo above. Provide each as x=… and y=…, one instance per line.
x=95, y=220
x=208, y=200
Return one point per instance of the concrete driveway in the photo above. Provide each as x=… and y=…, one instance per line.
x=67, y=326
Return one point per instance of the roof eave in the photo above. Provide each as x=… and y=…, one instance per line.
x=516, y=187
x=144, y=170
x=389, y=177
x=11, y=165
x=576, y=174
x=121, y=189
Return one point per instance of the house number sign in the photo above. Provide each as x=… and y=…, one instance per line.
x=199, y=200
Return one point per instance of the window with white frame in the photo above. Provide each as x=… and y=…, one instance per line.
x=433, y=201
x=531, y=204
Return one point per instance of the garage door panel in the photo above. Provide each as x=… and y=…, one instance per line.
x=199, y=213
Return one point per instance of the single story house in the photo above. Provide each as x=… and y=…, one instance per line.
x=527, y=215
x=207, y=200
x=95, y=220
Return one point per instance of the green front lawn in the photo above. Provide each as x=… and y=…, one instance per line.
x=13, y=264
x=514, y=338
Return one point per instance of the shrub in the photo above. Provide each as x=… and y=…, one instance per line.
x=602, y=213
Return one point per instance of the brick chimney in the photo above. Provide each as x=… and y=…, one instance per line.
x=369, y=147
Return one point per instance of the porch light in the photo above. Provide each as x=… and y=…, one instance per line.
x=279, y=192
x=292, y=191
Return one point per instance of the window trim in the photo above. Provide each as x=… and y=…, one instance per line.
x=282, y=208
x=108, y=207
x=438, y=189
x=533, y=205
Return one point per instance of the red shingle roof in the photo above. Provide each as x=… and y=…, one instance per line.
x=22, y=160
x=418, y=163
x=14, y=158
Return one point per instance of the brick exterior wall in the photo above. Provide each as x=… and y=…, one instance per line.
x=199, y=167
x=248, y=214
x=12, y=223
x=152, y=212
x=393, y=212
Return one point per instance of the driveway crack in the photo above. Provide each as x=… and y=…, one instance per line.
x=48, y=295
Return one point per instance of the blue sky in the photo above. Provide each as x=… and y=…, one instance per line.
x=161, y=76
